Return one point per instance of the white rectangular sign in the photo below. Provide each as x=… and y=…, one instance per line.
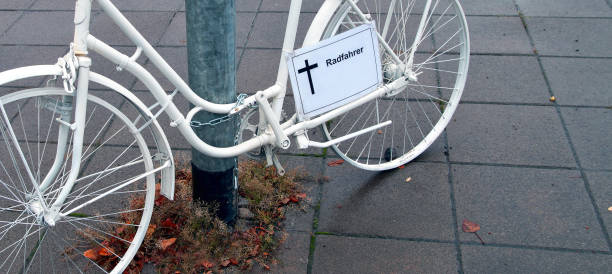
x=335, y=71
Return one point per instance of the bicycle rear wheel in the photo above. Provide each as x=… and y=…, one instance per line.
x=424, y=108
x=100, y=233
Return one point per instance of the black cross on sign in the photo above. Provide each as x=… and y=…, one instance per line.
x=307, y=69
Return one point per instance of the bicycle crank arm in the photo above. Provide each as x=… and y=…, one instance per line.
x=350, y=136
x=282, y=140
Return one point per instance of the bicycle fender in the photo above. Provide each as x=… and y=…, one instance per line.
x=28, y=72
x=325, y=13
x=167, y=174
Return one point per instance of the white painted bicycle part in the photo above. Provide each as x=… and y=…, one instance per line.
x=434, y=66
x=55, y=239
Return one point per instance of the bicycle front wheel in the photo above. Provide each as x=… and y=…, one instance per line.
x=107, y=212
x=420, y=111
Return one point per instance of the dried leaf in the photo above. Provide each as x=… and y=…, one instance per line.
x=164, y=244
x=169, y=223
x=105, y=252
x=301, y=196
x=610, y=209
x=150, y=231
x=379, y=131
x=408, y=179
x=470, y=227
x=553, y=98
x=233, y=261
x=91, y=254
x=157, y=190
x=285, y=201
x=225, y=263
x=335, y=163
x=401, y=167
x=206, y=264
x=294, y=199
x=266, y=267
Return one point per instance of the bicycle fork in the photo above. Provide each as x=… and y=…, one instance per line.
x=78, y=128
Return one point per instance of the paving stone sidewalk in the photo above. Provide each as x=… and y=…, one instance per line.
x=535, y=174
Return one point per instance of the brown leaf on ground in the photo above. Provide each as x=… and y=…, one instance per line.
x=266, y=267
x=150, y=231
x=225, y=263
x=91, y=254
x=470, y=227
x=285, y=201
x=105, y=252
x=164, y=244
x=206, y=264
x=335, y=163
x=233, y=261
x=301, y=196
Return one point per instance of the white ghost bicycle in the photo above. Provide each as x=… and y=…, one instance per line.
x=78, y=146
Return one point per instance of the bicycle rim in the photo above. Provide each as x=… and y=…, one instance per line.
x=98, y=235
x=422, y=110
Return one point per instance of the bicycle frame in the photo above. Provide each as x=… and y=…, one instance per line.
x=277, y=135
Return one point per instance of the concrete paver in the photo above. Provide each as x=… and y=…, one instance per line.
x=529, y=207
x=588, y=85
x=485, y=259
x=571, y=36
x=367, y=255
x=590, y=131
x=567, y=8
x=503, y=134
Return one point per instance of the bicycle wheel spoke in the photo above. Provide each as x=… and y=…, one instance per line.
x=110, y=173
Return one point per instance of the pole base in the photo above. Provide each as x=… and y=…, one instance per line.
x=217, y=188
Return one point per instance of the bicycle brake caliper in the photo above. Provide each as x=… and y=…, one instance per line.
x=69, y=65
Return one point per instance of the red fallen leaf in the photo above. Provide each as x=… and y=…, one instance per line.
x=587, y=227
x=164, y=244
x=285, y=201
x=402, y=166
x=294, y=199
x=105, y=252
x=266, y=254
x=301, y=196
x=470, y=227
x=206, y=264
x=169, y=223
x=225, y=263
x=266, y=267
x=335, y=163
x=233, y=261
x=91, y=254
